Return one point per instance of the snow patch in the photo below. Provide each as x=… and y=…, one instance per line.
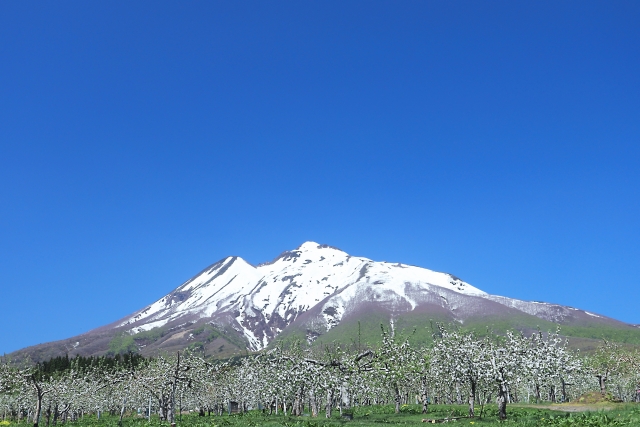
x=313, y=275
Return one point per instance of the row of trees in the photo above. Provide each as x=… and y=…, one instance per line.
x=460, y=367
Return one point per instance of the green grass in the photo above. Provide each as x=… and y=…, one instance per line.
x=418, y=328
x=122, y=344
x=365, y=332
x=370, y=416
x=625, y=335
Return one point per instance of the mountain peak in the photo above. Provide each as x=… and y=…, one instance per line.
x=313, y=247
x=307, y=246
x=260, y=302
x=311, y=289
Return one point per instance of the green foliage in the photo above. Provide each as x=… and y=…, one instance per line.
x=595, y=397
x=625, y=335
x=485, y=325
x=365, y=333
x=121, y=344
x=370, y=416
x=201, y=329
x=63, y=364
x=590, y=419
x=593, y=331
x=207, y=333
x=196, y=346
x=410, y=409
x=152, y=335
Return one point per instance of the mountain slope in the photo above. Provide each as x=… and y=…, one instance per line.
x=314, y=290
x=260, y=302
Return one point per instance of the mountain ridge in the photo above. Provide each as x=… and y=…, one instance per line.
x=233, y=306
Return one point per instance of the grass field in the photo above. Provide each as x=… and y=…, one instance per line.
x=525, y=416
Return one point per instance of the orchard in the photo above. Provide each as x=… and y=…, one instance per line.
x=485, y=373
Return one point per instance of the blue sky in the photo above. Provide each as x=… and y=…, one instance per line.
x=143, y=141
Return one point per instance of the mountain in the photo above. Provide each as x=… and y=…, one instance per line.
x=319, y=292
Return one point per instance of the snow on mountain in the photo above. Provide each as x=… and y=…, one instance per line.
x=260, y=301
x=313, y=289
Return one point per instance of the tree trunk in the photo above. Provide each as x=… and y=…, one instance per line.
x=48, y=415
x=602, y=380
x=39, y=394
x=172, y=410
x=329, y=402
x=472, y=399
x=397, y=397
x=295, y=410
x=313, y=404
x=124, y=403
x=425, y=398
x=36, y=415
x=501, y=400
x=345, y=397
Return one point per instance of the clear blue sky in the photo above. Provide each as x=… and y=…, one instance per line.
x=142, y=141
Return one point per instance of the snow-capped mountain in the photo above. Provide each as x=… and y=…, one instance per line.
x=261, y=301
x=315, y=290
